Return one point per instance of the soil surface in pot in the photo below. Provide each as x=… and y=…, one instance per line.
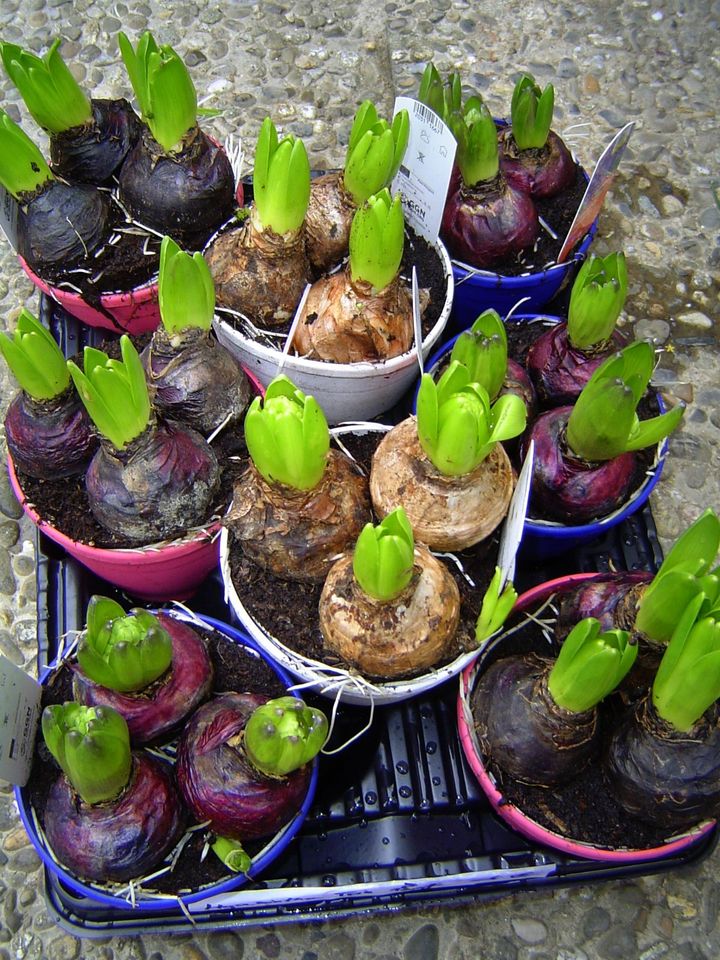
x=235, y=669
x=584, y=808
x=417, y=252
x=288, y=610
x=558, y=212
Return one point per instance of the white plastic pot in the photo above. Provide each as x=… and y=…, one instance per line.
x=345, y=391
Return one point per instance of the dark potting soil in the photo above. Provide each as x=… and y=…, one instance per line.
x=235, y=669
x=584, y=808
x=288, y=610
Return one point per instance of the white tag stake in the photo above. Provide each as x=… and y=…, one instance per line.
x=515, y=520
x=417, y=320
x=19, y=714
x=293, y=328
x=9, y=217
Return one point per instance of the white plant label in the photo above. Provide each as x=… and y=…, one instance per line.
x=515, y=519
x=8, y=217
x=417, y=320
x=19, y=714
x=424, y=173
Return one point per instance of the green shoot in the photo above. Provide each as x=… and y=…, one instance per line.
x=92, y=747
x=283, y=735
x=597, y=298
x=483, y=350
x=375, y=151
x=685, y=573
x=496, y=607
x=164, y=90
x=287, y=436
x=383, y=557
x=186, y=292
x=531, y=113
x=478, y=155
x=590, y=665
x=377, y=238
x=281, y=180
x=604, y=422
x=23, y=169
x=35, y=359
x=53, y=97
x=232, y=854
x=443, y=99
x=688, y=678
x=114, y=392
x=457, y=426
x=123, y=652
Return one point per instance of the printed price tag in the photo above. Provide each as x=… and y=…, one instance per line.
x=8, y=217
x=515, y=519
x=19, y=713
x=597, y=189
x=424, y=174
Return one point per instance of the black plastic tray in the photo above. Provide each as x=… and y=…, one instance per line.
x=399, y=818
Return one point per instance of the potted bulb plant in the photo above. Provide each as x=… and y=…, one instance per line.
x=528, y=272
x=151, y=486
x=47, y=429
x=586, y=464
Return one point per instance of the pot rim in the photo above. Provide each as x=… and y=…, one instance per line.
x=513, y=815
x=156, y=902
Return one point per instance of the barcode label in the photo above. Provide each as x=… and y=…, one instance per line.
x=428, y=116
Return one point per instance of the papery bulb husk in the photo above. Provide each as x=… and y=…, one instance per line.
x=327, y=223
x=542, y=172
x=566, y=488
x=218, y=782
x=160, y=486
x=155, y=712
x=488, y=223
x=663, y=775
x=195, y=379
x=345, y=322
x=124, y=838
x=395, y=638
x=522, y=729
x=613, y=601
x=62, y=225
x=260, y=274
x=445, y=513
x=50, y=438
x=561, y=371
x=296, y=534
x=188, y=195
x=94, y=151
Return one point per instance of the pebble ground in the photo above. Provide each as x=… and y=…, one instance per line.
x=308, y=65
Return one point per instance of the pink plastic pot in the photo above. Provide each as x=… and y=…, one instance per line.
x=134, y=312
x=512, y=815
x=157, y=572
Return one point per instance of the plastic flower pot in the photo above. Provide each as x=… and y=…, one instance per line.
x=336, y=683
x=163, y=571
x=126, y=898
x=345, y=391
x=477, y=290
x=134, y=312
x=508, y=811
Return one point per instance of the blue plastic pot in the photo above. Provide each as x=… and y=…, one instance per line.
x=479, y=290
x=545, y=539
x=145, y=902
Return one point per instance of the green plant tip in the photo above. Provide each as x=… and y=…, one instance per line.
x=186, y=291
x=531, y=113
x=23, y=169
x=596, y=301
x=383, y=557
x=377, y=239
x=281, y=181
x=35, y=359
x=591, y=663
x=283, y=735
